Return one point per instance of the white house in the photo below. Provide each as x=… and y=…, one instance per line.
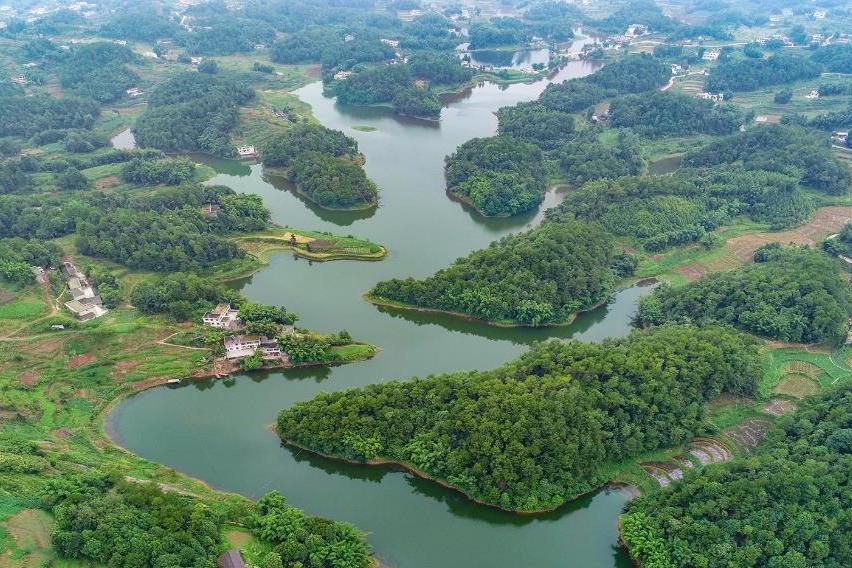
x=390, y=42
x=711, y=54
x=343, y=75
x=134, y=92
x=239, y=346
x=246, y=151
x=812, y=95
x=222, y=316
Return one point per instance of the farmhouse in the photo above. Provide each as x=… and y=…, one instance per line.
x=222, y=316
x=239, y=346
x=134, y=92
x=85, y=303
x=210, y=209
x=390, y=42
x=840, y=137
x=711, y=55
x=246, y=151
x=812, y=95
x=342, y=75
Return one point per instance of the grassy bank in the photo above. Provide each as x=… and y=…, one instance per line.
x=312, y=245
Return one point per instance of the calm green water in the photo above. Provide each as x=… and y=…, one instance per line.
x=218, y=431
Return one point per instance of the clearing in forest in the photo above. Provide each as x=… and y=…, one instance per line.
x=826, y=221
x=797, y=385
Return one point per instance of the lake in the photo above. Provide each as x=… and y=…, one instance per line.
x=219, y=431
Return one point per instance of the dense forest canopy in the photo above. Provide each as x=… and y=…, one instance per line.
x=500, y=175
x=627, y=75
x=22, y=115
x=323, y=164
x=664, y=211
x=787, y=149
x=538, y=277
x=673, y=114
x=539, y=430
x=748, y=74
x=192, y=111
x=790, y=504
x=792, y=295
x=98, y=71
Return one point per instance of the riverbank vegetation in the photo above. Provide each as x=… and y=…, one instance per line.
x=788, y=294
x=786, y=505
x=563, y=412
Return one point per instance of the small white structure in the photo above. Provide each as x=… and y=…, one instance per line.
x=134, y=92
x=239, y=346
x=711, y=54
x=119, y=41
x=812, y=95
x=343, y=75
x=19, y=79
x=246, y=151
x=150, y=55
x=222, y=316
x=715, y=97
x=840, y=137
x=819, y=14
x=348, y=37
x=390, y=42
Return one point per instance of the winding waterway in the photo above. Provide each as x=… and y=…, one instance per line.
x=218, y=431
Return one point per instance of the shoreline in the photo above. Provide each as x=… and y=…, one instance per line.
x=408, y=468
x=623, y=285
x=296, y=188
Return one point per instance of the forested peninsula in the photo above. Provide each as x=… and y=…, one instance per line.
x=545, y=428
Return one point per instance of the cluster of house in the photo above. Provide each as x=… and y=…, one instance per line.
x=711, y=54
x=85, y=303
x=247, y=151
x=237, y=346
x=715, y=97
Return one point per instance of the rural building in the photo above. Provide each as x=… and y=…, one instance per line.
x=40, y=274
x=711, y=55
x=390, y=42
x=342, y=75
x=134, y=92
x=840, y=137
x=239, y=346
x=85, y=303
x=246, y=151
x=231, y=559
x=210, y=209
x=222, y=316
x=812, y=95
x=715, y=97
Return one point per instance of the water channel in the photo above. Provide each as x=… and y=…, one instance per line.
x=218, y=431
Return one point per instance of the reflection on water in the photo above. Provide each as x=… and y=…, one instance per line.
x=124, y=140
x=522, y=59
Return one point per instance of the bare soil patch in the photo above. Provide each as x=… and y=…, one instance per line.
x=748, y=433
x=691, y=271
x=826, y=221
x=79, y=360
x=40, y=347
x=779, y=407
x=28, y=378
x=6, y=296
x=121, y=367
x=107, y=182
x=63, y=433
x=798, y=386
x=708, y=450
x=802, y=368
x=31, y=530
